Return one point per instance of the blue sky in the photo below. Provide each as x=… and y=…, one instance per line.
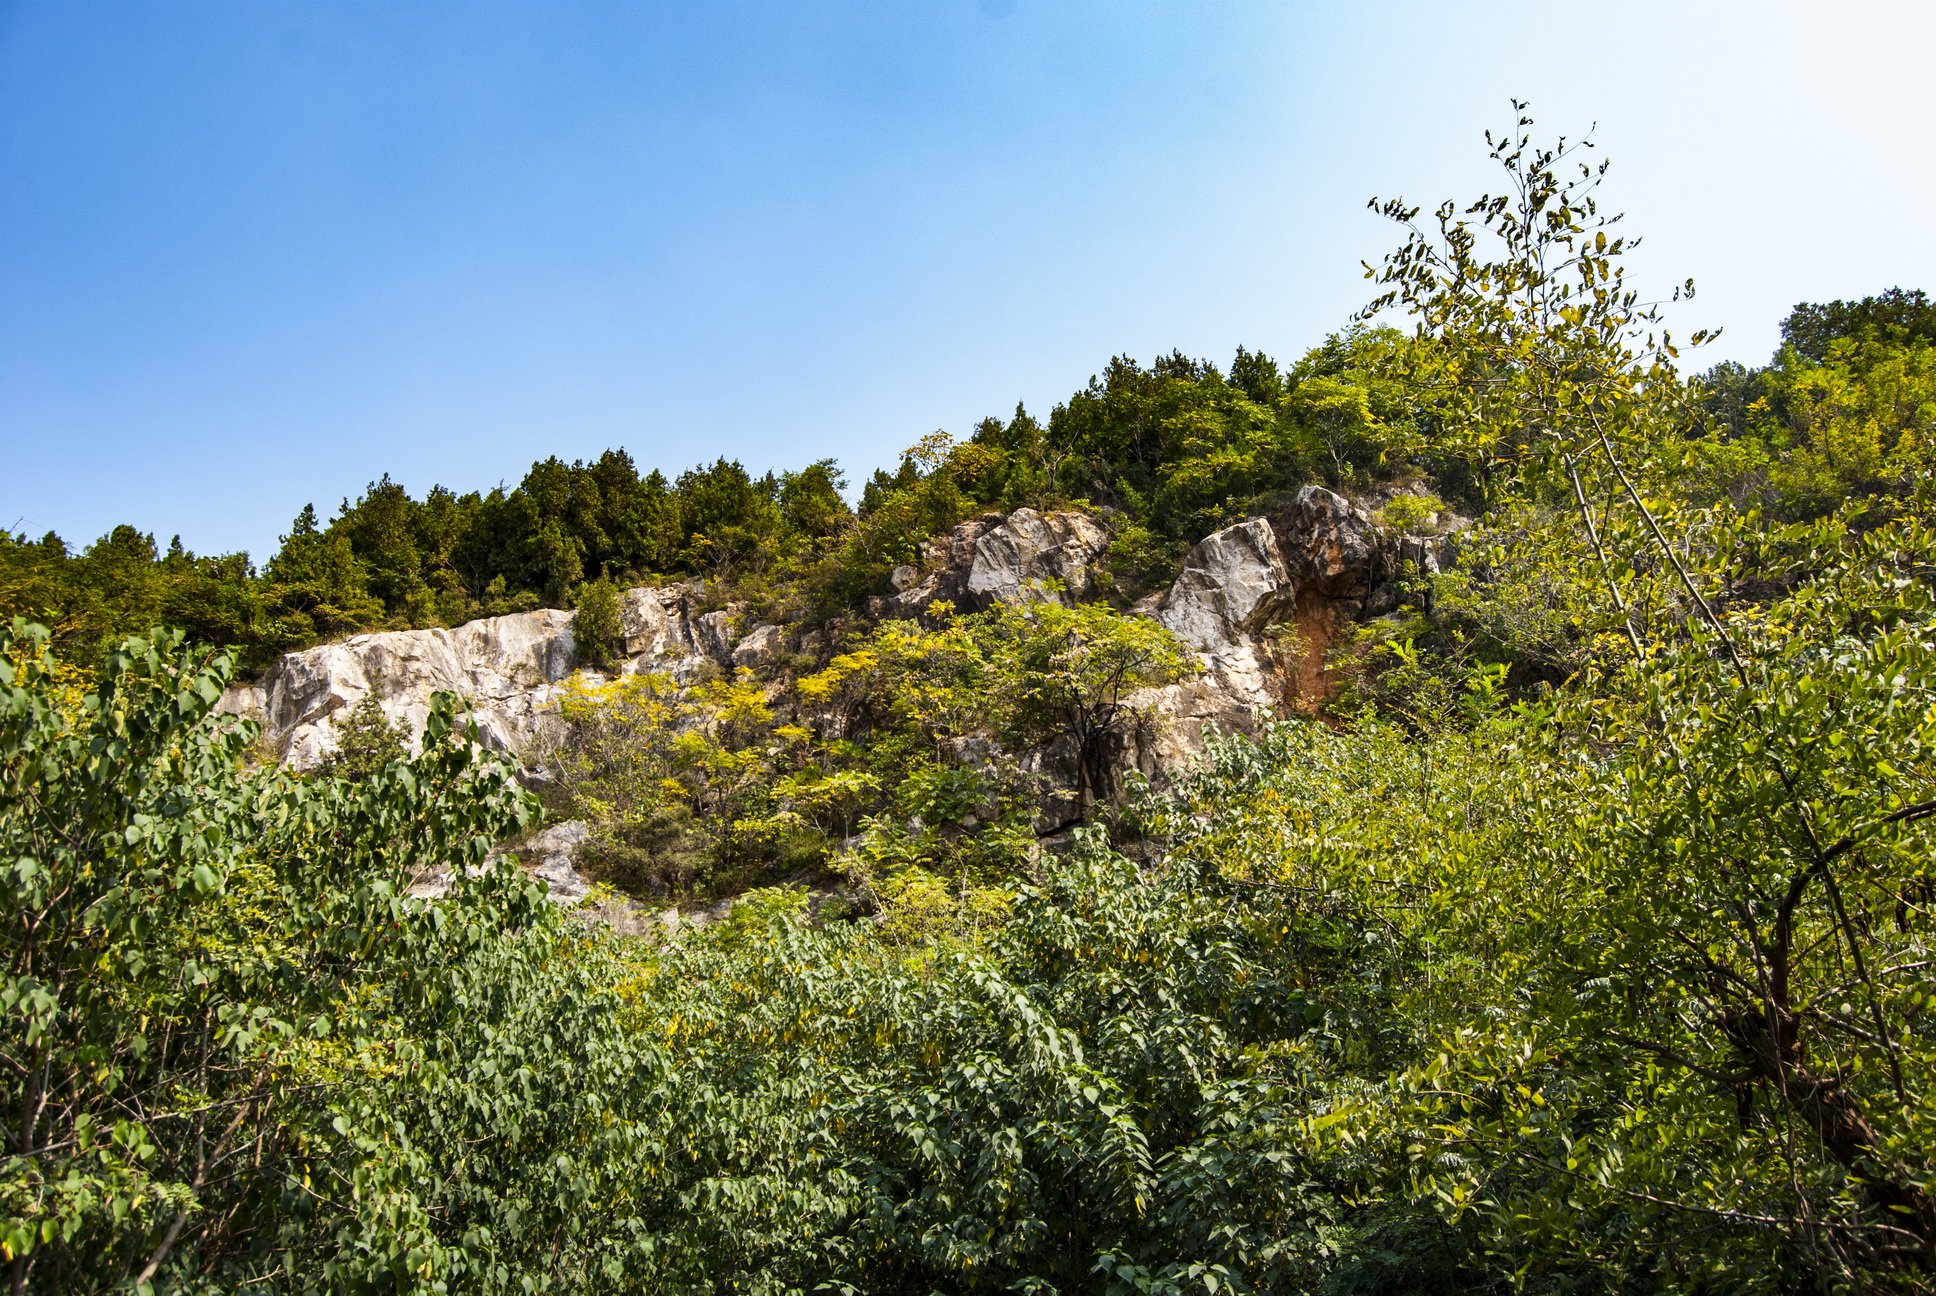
x=255, y=253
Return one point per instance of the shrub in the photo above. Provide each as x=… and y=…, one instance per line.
x=596, y=627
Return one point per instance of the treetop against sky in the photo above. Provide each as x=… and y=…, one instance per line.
x=255, y=255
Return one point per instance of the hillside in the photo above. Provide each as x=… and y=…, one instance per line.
x=1452, y=814
x=1242, y=632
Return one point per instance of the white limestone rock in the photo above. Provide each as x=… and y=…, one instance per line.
x=549, y=856
x=761, y=647
x=1014, y=562
x=546, y=855
x=509, y=669
x=654, y=621
x=506, y=667
x=717, y=633
x=994, y=559
x=1233, y=584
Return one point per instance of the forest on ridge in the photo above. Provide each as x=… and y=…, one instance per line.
x=1576, y=940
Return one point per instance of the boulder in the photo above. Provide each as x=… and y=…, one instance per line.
x=1015, y=561
x=761, y=647
x=1233, y=584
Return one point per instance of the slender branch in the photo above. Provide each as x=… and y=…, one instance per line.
x=1862, y=973
x=201, y=1173
x=1908, y=814
x=1600, y=550
x=1661, y=1051
x=1741, y=1217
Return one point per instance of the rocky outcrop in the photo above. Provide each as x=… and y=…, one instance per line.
x=760, y=647
x=655, y=621
x=1037, y=556
x=994, y=559
x=1260, y=603
x=510, y=669
x=716, y=633
x=1263, y=603
x=546, y=855
x=1233, y=584
x=1309, y=567
x=947, y=560
x=1326, y=539
x=1335, y=557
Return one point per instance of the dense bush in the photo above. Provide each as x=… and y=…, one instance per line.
x=597, y=631
x=233, y=1049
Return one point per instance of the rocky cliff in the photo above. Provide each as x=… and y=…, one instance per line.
x=1260, y=603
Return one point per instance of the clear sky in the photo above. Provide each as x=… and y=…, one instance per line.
x=255, y=253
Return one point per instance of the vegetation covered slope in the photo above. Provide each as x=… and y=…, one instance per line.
x=1585, y=948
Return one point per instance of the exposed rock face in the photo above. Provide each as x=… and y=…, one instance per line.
x=1335, y=558
x=1015, y=561
x=761, y=647
x=546, y=855
x=947, y=559
x=991, y=559
x=655, y=621
x=1260, y=603
x=1233, y=584
x=715, y=633
x=510, y=669
x=1326, y=538
x=1312, y=567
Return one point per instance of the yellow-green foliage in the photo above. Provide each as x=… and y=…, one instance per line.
x=702, y=786
x=1860, y=425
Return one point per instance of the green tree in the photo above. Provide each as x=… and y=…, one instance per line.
x=1892, y=316
x=628, y=767
x=1674, y=1037
x=811, y=500
x=731, y=521
x=366, y=743
x=317, y=580
x=1070, y=672
x=382, y=531
x=596, y=627
x=228, y=1058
